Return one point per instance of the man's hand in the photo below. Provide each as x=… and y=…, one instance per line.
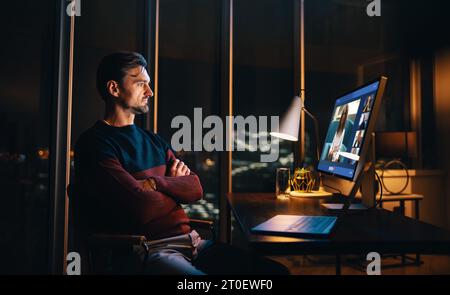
x=149, y=184
x=178, y=168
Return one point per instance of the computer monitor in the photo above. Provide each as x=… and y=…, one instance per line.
x=348, y=137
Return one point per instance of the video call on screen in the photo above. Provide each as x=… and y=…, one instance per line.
x=346, y=131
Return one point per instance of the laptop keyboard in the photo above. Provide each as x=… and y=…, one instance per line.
x=313, y=224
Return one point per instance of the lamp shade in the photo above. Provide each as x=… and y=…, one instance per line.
x=290, y=121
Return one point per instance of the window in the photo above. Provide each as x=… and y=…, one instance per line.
x=189, y=78
x=25, y=106
x=263, y=82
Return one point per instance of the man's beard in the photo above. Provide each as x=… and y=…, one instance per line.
x=140, y=110
x=137, y=110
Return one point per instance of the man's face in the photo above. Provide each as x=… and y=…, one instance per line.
x=135, y=91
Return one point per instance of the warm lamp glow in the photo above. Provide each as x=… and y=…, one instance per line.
x=290, y=121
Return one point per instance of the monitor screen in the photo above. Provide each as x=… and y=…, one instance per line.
x=347, y=131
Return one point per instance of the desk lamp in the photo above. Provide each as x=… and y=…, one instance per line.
x=289, y=130
x=290, y=122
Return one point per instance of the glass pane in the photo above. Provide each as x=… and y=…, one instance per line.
x=263, y=83
x=346, y=48
x=189, y=78
x=26, y=91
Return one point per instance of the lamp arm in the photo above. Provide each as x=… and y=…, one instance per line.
x=316, y=129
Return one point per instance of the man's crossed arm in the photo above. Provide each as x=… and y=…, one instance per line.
x=180, y=183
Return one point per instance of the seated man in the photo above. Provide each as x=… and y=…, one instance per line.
x=130, y=181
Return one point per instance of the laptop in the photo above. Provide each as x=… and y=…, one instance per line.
x=296, y=225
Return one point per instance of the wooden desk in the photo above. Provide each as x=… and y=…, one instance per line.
x=376, y=230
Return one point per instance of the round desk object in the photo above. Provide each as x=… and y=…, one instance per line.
x=312, y=194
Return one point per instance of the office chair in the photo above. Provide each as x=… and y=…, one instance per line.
x=114, y=253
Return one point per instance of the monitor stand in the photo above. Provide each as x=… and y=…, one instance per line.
x=365, y=181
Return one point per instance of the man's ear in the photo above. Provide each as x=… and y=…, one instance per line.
x=113, y=88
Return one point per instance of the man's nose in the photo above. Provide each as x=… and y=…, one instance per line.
x=149, y=91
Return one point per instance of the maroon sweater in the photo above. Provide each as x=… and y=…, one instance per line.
x=111, y=165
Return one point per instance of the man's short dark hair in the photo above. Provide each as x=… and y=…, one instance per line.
x=115, y=67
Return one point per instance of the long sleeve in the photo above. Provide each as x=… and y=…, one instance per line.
x=144, y=205
x=185, y=189
x=112, y=165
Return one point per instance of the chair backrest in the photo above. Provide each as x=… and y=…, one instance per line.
x=95, y=259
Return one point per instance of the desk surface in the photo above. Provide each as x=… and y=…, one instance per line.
x=372, y=230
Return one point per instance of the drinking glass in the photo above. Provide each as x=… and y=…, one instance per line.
x=282, y=183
